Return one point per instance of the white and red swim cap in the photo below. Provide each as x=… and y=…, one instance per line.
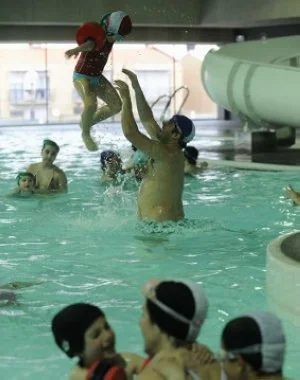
x=119, y=24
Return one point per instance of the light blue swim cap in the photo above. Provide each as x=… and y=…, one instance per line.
x=140, y=158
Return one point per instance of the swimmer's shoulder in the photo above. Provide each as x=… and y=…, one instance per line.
x=78, y=373
x=33, y=168
x=59, y=173
x=163, y=366
x=57, y=170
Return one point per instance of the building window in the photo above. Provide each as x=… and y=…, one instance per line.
x=28, y=87
x=15, y=113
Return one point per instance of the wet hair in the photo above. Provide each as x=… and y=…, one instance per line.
x=24, y=174
x=51, y=143
x=191, y=154
x=178, y=297
x=243, y=332
x=70, y=324
x=107, y=154
x=181, y=142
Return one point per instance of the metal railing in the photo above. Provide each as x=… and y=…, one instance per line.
x=170, y=97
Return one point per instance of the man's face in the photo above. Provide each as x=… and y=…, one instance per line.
x=49, y=154
x=169, y=131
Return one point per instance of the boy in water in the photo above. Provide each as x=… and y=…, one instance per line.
x=49, y=178
x=25, y=182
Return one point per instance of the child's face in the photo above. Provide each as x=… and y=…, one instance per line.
x=150, y=332
x=99, y=339
x=26, y=184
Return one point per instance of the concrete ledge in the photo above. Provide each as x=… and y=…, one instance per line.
x=257, y=141
x=283, y=276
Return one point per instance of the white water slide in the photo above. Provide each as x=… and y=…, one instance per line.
x=257, y=80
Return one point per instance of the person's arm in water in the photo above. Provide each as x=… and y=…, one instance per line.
x=14, y=192
x=131, y=132
x=294, y=195
x=62, y=182
x=144, y=110
x=86, y=46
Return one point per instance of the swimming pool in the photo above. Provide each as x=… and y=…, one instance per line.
x=87, y=246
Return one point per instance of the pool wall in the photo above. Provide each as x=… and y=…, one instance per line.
x=283, y=276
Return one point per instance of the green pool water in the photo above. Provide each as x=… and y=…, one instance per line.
x=87, y=246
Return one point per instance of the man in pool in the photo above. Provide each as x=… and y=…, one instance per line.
x=48, y=177
x=160, y=194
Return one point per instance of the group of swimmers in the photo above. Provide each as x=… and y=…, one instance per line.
x=46, y=178
x=252, y=344
x=160, y=195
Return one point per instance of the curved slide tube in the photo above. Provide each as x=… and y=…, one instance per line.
x=256, y=80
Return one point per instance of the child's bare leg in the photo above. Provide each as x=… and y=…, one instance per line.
x=88, y=95
x=108, y=94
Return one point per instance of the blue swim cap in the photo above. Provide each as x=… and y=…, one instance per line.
x=185, y=125
x=140, y=158
x=106, y=155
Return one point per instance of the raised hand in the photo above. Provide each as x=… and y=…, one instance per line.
x=70, y=53
x=132, y=76
x=123, y=88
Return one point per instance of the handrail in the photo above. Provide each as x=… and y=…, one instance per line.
x=170, y=97
x=185, y=98
x=158, y=99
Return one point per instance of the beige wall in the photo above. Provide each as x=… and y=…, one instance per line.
x=191, y=72
x=183, y=72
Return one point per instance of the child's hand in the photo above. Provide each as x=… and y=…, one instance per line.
x=198, y=355
x=70, y=53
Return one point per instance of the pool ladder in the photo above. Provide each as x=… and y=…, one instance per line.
x=170, y=97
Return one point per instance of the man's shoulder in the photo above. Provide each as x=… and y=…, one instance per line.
x=58, y=170
x=33, y=166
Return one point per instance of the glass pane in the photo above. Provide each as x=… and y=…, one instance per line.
x=23, y=92
x=170, y=75
x=39, y=88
